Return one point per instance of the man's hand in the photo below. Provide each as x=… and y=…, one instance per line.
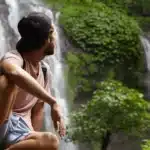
x=57, y=119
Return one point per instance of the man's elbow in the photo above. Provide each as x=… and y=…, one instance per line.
x=8, y=69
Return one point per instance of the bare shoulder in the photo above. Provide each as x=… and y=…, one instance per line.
x=13, y=57
x=3, y=78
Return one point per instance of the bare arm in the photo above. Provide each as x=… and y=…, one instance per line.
x=22, y=79
x=7, y=97
x=25, y=81
x=37, y=116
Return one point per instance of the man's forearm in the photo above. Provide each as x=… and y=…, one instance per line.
x=25, y=81
x=37, y=116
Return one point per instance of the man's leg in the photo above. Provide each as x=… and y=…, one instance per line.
x=37, y=141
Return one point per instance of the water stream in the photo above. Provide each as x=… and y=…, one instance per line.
x=146, y=46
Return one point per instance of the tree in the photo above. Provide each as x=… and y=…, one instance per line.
x=114, y=108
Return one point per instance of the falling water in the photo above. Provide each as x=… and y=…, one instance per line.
x=17, y=9
x=13, y=16
x=146, y=46
x=3, y=40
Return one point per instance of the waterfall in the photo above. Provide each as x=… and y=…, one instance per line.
x=17, y=9
x=13, y=16
x=3, y=44
x=146, y=45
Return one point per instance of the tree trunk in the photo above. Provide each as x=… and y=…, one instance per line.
x=106, y=140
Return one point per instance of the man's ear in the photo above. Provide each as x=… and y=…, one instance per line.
x=49, y=41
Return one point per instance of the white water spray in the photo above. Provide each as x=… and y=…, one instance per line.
x=3, y=40
x=146, y=46
x=14, y=16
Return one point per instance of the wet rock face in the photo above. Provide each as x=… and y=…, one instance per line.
x=3, y=8
x=2, y=1
x=9, y=33
x=121, y=142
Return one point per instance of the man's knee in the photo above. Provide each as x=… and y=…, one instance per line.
x=50, y=140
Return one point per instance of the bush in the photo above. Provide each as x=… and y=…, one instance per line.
x=114, y=108
x=98, y=29
x=109, y=43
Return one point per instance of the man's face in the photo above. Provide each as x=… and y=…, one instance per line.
x=50, y=44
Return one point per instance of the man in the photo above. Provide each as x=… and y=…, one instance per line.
x=24, y=87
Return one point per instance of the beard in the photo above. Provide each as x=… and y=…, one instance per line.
x=49, y=50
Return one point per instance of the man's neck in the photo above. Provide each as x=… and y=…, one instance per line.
x=33, y=57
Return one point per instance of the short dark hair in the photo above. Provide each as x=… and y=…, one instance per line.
x=34, y=30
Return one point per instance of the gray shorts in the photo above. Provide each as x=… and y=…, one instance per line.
x=13, y=130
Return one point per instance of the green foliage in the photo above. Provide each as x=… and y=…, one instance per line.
x=109, y=41
x=58, y=4
x=132, y=7
x=101, y=29
x=83, y=72
x=136, y=7
x=114, y=108
x=121, y=5
x=146, y=145
x=144, y=23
